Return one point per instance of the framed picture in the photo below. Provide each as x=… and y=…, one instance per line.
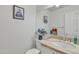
x=45, y=19
x=18, y=12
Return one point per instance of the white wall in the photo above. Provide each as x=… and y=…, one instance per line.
x=16, y=36
x=39, y=20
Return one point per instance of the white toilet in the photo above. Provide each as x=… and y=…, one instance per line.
x=33, y=51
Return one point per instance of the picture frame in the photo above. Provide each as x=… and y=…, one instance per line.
x=45, y=19
x=18, y=12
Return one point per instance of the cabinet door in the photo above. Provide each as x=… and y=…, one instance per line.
x=43, y=49
x=70, y=24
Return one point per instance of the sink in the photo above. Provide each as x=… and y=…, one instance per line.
x=62, y=44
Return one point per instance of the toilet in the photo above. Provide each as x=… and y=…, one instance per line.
x=33, y=51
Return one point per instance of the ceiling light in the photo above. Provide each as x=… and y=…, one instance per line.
x=57, y=5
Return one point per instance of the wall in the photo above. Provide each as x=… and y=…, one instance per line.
x=39, y=20
x=16, y=36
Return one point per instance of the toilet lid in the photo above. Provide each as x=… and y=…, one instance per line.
x=33, y=51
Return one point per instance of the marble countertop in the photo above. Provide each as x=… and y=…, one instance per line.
x=46, y=43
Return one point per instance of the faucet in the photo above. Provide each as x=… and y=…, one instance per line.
x=68, y=39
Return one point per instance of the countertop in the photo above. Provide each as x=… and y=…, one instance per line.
x=75, y=50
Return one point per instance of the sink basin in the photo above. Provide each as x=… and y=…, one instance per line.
x=62, y=44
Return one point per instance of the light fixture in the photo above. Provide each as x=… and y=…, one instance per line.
x=57, y=5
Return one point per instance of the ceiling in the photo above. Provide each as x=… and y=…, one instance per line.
x=42, y=7
x=50, y=7
x=57, y=7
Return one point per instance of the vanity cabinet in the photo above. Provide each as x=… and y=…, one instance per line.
x=46, y=50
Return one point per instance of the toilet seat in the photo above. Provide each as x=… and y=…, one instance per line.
x=33, y=51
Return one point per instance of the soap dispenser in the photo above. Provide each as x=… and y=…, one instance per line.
x=75, y=40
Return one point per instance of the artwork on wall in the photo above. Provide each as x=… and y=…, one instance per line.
x=45, y=19
x=18, y=12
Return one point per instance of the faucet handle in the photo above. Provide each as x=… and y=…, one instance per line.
x=68, y=39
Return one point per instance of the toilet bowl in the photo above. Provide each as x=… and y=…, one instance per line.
x=33, y=51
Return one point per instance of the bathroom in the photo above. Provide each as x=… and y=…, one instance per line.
x=28, y=34
x=39, y=29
